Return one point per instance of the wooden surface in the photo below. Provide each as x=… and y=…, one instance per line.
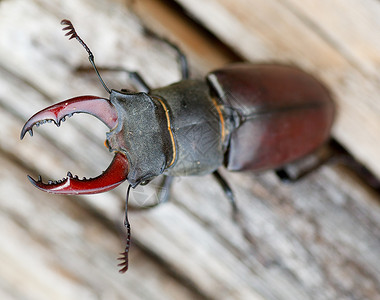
x=316, y=239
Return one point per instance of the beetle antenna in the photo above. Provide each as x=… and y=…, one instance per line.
x=124, y=255
x=73, y=33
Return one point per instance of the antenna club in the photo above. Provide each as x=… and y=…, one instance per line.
x=73, y=34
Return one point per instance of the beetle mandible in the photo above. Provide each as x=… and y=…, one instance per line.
x=243, y=116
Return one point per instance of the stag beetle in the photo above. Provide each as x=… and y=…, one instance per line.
x=243, y=116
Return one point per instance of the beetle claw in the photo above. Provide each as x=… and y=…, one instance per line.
x=115, y=174
x=98, y=107
x=102, y=109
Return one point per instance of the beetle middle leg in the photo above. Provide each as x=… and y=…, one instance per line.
x=228, y=191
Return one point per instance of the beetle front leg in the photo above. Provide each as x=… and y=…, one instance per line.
x=137, y=80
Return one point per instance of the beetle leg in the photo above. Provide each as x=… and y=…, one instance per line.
x=285, y=176
x=228, y=191
x=301, y=168
x=181, y=57
x=334, y=154
x=102, y=109
x=137, y=80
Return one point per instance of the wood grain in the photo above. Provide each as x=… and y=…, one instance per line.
x=316, y=239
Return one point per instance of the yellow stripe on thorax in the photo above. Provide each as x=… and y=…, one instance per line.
x=220, y=117
x=169, y=129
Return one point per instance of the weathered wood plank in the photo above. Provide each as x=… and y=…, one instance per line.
x=317, y=239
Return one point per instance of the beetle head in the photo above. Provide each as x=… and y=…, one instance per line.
x=138, y=137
